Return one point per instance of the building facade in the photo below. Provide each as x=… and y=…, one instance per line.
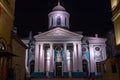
x=61, y=52
x=18, y=62
x=6, y=27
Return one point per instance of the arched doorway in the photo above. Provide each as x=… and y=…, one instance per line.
x=32, y=66
x=58, y=59
x=85, y=67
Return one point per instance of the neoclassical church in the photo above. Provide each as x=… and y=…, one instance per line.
x=61, y=52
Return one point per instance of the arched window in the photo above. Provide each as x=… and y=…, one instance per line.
x=58, y=21
x=98, y=66
x=85, y=65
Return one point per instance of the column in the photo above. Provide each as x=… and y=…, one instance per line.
x=92, y=61
x=65, y=62
x=74, y=57
x=80, y=57
x=51, y=57
x=41, y=58
x=36, y=57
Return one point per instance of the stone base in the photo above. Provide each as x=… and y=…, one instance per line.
x=38, y=74
x=78, y=74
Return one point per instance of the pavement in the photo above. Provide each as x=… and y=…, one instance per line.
x=63, y=79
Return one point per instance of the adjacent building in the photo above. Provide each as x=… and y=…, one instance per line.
x=6, y=27
x=113, y=47
x=116, y=20
x=12, y=49
x=18, y=62
x=61, y=52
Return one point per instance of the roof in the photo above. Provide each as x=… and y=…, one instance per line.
x=4, y=53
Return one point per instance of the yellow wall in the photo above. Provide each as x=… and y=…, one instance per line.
x=108, y=75
x=18, y=62
x=117, y=30
x=116, y=20
x=6, y=22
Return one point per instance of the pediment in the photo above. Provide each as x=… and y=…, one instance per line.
x=58, y=33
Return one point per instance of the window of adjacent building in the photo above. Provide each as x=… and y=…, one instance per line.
x=85, y=65
x=114, y=70
x=58, y=21
x=104, y=67
x=2, y=47
x=98, y=66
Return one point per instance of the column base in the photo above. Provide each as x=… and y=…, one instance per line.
x=65, y=74
x=78, y=74
x=38, y=74
x=92, y=74
x=51, y=74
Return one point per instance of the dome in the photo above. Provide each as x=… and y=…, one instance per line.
x=58, y=8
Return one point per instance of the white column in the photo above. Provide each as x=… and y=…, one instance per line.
x=65, y=62
x=51, y=57
x=41, y=58
x=92, y=61
x=74, y=57
x=36, y=57
x=80, y=57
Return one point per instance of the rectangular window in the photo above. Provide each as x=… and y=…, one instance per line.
x=104, y=67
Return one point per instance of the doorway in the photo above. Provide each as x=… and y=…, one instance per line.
x=58, y=68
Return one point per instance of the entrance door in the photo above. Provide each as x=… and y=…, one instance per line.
x=58, y=68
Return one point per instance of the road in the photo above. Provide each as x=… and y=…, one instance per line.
x=63, y=79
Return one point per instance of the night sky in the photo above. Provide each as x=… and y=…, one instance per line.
x=89, y=16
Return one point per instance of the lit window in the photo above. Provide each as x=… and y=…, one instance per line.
x=58, y=21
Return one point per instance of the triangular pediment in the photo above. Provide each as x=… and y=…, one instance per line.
x=58, y=33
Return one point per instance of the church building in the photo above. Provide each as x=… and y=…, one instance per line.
x=61, y=52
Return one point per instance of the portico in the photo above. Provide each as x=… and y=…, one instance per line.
x=51, y=56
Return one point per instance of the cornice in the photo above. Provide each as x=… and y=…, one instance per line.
x=6, y=9
x=116, y=12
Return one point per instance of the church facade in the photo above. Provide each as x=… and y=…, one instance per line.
x=61, y=52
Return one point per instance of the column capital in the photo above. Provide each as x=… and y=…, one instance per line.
x=65, y=44
x=36, y=42
x=50, y=43
x=74, y=43
x=41, y=43
x=90, y=45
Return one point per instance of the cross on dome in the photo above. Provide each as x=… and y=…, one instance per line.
x=58, y=2
x=58, y=7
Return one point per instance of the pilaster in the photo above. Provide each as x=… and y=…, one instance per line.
x=92, y=60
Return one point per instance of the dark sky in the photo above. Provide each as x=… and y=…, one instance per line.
x=89, y=16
